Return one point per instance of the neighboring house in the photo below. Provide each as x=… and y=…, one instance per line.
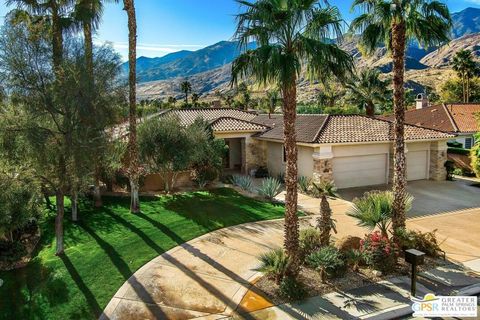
x=459, y=119
x=352, y=150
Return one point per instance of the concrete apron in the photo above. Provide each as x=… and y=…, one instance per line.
x=206, y=276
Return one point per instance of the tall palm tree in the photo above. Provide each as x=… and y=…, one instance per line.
x=87, y=14
x=134, y=174
x=394, y=23
x=56, y=12
x=367, y=90
x=289, y=35
x=466, y=69
x=186, y=87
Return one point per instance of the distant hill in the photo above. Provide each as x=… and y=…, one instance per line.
x=465, y=22
x=186, y=63
x=208, y=69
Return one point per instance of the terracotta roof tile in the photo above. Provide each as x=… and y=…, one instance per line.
x=188, y=116
x=345, y=129
x=224, y=124
x=455, y=118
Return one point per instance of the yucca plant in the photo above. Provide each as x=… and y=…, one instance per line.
x=375, y=210
x=274, y=264
x=270, y=188
x=328, y=260
x=325, y=223
x=354, y=258
x=304, y=184
x=244, y=182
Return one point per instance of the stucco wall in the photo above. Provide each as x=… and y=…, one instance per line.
x=462, y=138
x=276, y=165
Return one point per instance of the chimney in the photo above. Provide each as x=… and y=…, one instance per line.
x=421, y=101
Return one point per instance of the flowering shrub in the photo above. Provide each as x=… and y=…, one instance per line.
x=379, y=252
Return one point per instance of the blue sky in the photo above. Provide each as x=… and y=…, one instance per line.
x=166, y=26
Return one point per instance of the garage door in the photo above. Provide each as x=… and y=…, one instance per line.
x=417, y=165
x=360, y=171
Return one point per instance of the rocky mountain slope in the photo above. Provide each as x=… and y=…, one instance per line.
x=208, y=69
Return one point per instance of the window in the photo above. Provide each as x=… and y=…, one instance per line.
x=468, y=143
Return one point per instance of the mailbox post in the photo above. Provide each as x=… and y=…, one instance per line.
x=415, y=258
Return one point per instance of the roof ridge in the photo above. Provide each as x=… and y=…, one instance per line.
x=217, y=108
x=449, y=115
x=241, y=120
x=324, y=124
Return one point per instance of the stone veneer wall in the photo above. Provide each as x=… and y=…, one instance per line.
x=255, y=154
x=438, y=157
x=322, y=169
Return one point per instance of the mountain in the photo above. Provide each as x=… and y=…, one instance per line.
x=186, y=63
x=465, y=22
x=443, y=56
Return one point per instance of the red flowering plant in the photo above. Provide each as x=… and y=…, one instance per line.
x=379, y=252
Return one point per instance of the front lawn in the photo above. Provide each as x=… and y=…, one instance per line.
x=110, y=244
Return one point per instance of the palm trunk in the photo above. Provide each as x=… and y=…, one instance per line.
x=59, y=222
x=291, y=220
x=370, y=109
x=324, y=220
x=97, y=195
x=132, y=142
x=74, y=200
x=468, y=90
x=399, y=163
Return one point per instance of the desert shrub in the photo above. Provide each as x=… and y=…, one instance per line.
x=458, y=172
x=354, y=258
x=424, y=241
x=379, y=252
x=292, y=289
x=270, y=188
x=244, y=182
x=328, y=260
x=375, y=210
x=274, y=264
x=309, y=241
x=261, y=172
x=458, y=151
x=204, y=176
x=304, y=184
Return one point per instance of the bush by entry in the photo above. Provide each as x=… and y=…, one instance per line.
x=109, y=244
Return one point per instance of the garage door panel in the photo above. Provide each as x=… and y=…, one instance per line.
x=417, y=165
x=360, y=170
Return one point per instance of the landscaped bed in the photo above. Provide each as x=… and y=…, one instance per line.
x=109, y=244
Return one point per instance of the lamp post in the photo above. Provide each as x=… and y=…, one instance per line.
x=415, y=258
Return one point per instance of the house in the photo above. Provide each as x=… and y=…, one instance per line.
x=460, y=119
x=352, y=150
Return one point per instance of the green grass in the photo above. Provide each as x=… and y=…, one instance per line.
x=109, y=244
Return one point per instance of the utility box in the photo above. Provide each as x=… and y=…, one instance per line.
x=414, y=257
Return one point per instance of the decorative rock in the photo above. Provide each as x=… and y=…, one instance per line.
x=348, y=243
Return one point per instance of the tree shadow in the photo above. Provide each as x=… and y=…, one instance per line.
x=87, y=293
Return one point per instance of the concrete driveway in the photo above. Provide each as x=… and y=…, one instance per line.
x=432, y=197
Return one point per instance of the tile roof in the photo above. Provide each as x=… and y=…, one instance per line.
x=345, y=129
x=306, y=126
x=188, y=116
x=455, y=118
x=226, y=124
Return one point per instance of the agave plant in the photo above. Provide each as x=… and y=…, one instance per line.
x=375, y=210
x=304, y=184
x=270, y=188
x=325, y=223
x=274, y=264
x=244, y=182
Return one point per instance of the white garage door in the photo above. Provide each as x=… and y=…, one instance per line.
x=360, y=171
x=417, y=165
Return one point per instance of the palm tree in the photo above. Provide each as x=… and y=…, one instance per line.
x=272, y=96
x=186, y=88
x=367, y=90
x=325, y=223
x=466, y=69
x=289, y=34
x=129, y=7
x=87, y=15
x=172, y=101
x=394, y=23
x=195, y=98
